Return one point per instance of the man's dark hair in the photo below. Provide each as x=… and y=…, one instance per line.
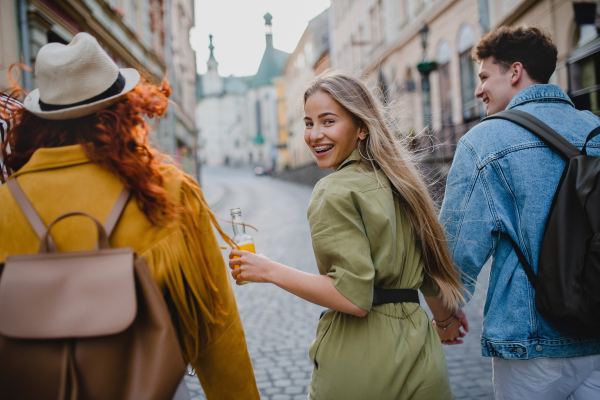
x=530, y=46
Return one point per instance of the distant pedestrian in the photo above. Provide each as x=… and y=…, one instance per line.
x=500, y=190
x=82, y=136
x=377, y=241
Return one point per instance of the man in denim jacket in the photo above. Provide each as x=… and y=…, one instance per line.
x=502, y=180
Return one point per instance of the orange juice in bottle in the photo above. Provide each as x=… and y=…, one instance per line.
x=240, y=237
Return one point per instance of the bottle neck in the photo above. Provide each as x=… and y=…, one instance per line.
x=237, y=223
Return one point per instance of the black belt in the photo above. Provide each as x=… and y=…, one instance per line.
x=384, y=296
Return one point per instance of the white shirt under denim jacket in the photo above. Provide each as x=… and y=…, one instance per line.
x=503, y=179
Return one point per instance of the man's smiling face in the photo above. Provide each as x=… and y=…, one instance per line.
x=496, y=89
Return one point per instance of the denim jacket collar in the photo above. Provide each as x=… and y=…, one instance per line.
x=539, y=93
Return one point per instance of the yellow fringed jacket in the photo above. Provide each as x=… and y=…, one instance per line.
x=184, y=255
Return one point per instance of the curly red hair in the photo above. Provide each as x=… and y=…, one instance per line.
x=119, y=138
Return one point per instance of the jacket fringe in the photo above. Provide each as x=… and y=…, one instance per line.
x=181, y=264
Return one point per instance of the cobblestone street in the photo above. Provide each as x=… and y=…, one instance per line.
x=279, y=326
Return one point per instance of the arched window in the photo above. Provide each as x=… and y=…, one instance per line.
x=468, y=85
x=443, y=59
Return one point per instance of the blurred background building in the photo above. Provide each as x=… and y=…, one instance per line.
x=310, y=58
x=149, y=35
x=415, y=52
x=220, y=114
x=418, y=53
x=238, y=117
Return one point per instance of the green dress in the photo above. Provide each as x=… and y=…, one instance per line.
x=361, y=239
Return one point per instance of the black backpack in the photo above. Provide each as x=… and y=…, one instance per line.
x=567, y=283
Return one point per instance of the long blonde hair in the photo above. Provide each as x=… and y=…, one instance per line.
x=382, y=150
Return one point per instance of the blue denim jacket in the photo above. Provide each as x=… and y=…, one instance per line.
x=502, y=180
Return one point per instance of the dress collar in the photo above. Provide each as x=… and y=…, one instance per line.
x=352, y=158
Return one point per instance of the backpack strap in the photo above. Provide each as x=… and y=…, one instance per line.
x=558, y=143
x=592, y=135
x=38, y=225
x=524, y=263
x=32, y=216
x=540, y=129
x=116, y=211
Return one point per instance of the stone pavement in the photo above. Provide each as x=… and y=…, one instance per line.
x=279, y=326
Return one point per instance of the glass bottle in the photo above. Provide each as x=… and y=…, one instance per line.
x=240, y=237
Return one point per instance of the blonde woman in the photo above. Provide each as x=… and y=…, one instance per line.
x=376, y=240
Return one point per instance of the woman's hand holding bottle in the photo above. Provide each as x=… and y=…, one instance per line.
x=243, y=240
x=250, y=267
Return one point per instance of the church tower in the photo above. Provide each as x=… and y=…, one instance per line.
x=212, y=83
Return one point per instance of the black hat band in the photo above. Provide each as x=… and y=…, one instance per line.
x=113, y=90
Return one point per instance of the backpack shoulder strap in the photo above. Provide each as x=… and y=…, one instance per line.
x=38, y=225
x=523, y=260
x=32, y=216
x=541, y=130
x=116, y=211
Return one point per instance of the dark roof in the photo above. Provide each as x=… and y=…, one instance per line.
x=271, y=65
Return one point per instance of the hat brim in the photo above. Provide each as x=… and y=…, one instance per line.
x=32, y=101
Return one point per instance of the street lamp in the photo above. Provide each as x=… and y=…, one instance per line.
x=425, y=67
x=423, y=32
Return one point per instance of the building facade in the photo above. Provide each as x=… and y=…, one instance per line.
x=418, y=53
x=149, y=35
x=238, y=118
x=182, y=138
x=220, y=115
x=309, y=59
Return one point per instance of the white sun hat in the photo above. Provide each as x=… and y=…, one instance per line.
x=77, y=79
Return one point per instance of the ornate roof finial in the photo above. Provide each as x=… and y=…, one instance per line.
x=268, y=17
x=269, y=29
x=211, y=47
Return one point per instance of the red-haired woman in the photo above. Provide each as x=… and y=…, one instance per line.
x=81, y=137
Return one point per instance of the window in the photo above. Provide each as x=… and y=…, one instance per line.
x=468, y=85
x=443, y=59
x=308, y=52
x=584, y=81
x=376, y=31
x=583, y=65
x=300, y=61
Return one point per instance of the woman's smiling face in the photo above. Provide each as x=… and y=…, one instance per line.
x=331, y=133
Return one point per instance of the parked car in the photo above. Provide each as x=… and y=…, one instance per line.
x=262, y=171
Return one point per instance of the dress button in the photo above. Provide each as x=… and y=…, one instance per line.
x=520, y=351
x=538, y=348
